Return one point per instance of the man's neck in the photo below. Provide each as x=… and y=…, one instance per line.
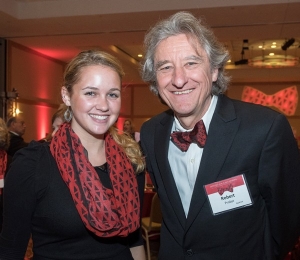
x=188, y=122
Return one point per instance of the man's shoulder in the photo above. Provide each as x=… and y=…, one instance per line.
x=160, y=118
x=15, y=138
x=247, y=108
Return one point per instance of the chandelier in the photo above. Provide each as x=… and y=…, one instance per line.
x=275, y=61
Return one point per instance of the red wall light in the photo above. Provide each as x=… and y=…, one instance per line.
x=285, y=100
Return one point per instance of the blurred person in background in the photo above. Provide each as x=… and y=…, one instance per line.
x=58, y=118
x=16, y=127
x=56, y=121
x=128, y=128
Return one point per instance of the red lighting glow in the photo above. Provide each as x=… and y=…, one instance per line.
x=120, y=122
x=285, y=100
x=43, y=121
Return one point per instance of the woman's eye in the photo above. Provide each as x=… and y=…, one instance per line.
x=90, y=93
x=113, y=95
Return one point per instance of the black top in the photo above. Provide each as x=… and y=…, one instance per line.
x=38, y=201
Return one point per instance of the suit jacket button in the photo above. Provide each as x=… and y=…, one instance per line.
x=189, y=252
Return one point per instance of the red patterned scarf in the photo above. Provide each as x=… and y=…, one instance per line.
x=3, y=164
x=105, y=212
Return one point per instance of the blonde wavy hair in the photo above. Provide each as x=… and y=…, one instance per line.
x=71, y=76
x=131, y=148
x=4, y=135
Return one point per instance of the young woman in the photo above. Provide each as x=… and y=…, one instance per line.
x=80, y=195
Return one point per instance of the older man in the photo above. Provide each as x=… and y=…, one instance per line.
x=227, y=172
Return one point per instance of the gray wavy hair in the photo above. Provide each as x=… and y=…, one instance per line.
x=185, y=23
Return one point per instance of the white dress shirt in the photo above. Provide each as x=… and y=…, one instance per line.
x=185, y=165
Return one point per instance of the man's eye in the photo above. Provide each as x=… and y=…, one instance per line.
x=191, y=64
x=165, y=68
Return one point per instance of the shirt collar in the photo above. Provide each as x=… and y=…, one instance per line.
x=14, y=133
x=206, y=118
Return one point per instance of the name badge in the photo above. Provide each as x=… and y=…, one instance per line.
x=228, y=194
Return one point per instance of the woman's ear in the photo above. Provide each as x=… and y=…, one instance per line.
x=65, y=95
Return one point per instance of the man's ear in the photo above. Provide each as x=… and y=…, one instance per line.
x=65, y=95
x=215, y=74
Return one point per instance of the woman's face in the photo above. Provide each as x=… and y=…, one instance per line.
x=95, y=100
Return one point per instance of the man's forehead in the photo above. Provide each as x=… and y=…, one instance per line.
x=182, y=45
x=19, y=120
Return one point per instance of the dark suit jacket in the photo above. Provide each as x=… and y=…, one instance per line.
x=16, y=143
x=242, y=138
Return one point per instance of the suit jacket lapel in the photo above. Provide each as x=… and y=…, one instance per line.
x=222, y=131
x=161, y=147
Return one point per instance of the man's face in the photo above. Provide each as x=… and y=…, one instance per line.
x=19, y=127
x=184, y=78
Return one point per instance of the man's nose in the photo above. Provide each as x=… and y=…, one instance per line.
x=179, y=78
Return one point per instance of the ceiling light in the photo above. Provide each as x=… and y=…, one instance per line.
x=140, y=55
x=271, y=54
x=275, y=61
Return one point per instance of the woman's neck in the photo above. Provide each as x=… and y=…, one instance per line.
x=95, y=148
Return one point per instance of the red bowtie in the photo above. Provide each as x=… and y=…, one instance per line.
x=183, y=139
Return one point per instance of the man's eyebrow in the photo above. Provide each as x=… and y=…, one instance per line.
x=160, y=63
x=191, y=57
x=194, y=57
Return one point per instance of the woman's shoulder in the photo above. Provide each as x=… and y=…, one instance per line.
x=31, y=162
x=34, y=151
x=29, y=173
